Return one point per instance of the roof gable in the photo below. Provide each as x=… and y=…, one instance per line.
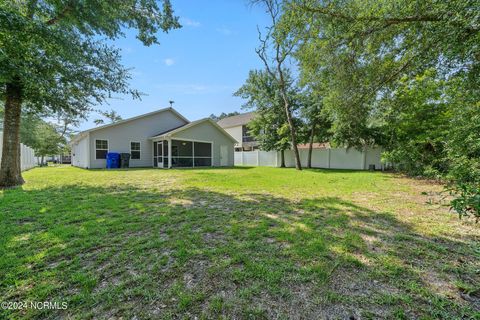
x=238, y=120
x=83, y=133
x=192, y=124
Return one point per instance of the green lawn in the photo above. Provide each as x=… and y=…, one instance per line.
x=235, y=243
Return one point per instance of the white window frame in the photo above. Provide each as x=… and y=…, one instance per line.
x=140, y=150
x=108, y=148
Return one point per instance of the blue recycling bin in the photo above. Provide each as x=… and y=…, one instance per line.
x=113, y=160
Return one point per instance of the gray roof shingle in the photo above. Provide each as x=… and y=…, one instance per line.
x=238, y=120
x=167, y=131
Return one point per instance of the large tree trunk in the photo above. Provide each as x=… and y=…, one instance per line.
x=282, y=158
x=293, y=136
x=293, y=132
x=10, y=169
x=310, y=147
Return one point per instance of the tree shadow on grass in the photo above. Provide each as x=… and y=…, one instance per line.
x=125, y=252
x=332, y=170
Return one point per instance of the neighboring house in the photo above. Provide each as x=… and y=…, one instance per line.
x=236, y=126
x=59, y=158
x=162, y=138
x=323, y=155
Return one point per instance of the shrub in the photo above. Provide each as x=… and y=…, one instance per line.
x=466, y=200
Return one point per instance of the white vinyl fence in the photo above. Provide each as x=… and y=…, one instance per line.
x=339, y=158
x=27, y=155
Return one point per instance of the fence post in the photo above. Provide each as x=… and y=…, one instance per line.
x=22, y=157
x=258, y=159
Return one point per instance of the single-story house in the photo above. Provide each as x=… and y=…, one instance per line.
x=160, y=139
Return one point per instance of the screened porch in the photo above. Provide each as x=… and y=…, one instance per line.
x=174, y=153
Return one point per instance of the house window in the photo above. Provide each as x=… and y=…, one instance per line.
x=246, y=137
x=135, y=150
x=101, y=149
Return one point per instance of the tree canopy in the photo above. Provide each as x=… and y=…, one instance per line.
x=111, y=116
x=56, y=49
x=367, y=47
x=223, y=115
x=262, y=94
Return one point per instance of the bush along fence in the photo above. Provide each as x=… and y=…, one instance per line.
x=27, y=155
x=335, y=158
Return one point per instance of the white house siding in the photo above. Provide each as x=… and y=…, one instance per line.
x=80, y=153
x=27, y=155
x=206, y=131
x=137, y=130
x=236, y=133
x=339, y=158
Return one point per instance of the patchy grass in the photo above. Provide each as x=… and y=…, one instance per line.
x=235, y=243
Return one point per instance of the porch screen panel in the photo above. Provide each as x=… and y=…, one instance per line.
x=203, y=162
x=203, y=154
x=165, y=153
x=182, y=153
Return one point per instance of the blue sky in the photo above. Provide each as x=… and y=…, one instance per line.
x=198, y=66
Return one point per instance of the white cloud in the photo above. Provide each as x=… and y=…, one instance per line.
x=189, y=22
x=169, y=62
x=225, y=31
